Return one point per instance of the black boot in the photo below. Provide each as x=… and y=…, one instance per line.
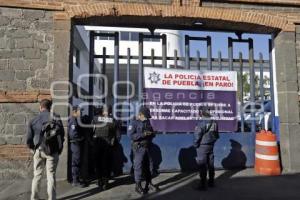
x=77, y=183
x=100, y=183
x=150, y=186
x=153, y=187
x=139, y=189
x=202, y=185
x=105, y=184
x=211, y=182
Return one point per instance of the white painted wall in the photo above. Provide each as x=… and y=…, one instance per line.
x=81, y=42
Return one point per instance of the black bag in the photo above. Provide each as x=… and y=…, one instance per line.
x=51, y=139
x=213, y=131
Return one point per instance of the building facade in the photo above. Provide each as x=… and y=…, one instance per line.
x=35, y=51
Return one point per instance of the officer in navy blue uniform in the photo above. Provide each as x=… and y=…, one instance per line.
x=76, y=138
x=104, y=136
x=205, y=136
x=142, y=134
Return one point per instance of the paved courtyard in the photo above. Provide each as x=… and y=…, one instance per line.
x=240, y=185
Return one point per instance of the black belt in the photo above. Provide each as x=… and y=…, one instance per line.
x=100, y=137
x=76, y=140
x=207, y=144
x=141, y=144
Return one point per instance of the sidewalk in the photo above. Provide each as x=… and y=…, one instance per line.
x=230, y=185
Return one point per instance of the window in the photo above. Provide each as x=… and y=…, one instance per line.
x=125, y=36
x=76, y=57
x=152, y=39
x=155, y=39
x=147, y=39
x=134, y=36
x=105, y=37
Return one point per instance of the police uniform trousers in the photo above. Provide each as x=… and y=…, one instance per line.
x=142, y=163
x=76, y=156
x=205, y=160
x=102, y=158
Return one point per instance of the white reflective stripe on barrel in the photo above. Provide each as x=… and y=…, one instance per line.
x=265, y=143
x=266, y=157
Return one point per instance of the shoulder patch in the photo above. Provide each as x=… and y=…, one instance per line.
x=130, y=127
x=73, y=127
x=105, y=119
x=100, y=119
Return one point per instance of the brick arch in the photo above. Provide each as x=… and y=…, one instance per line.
x=216, y=15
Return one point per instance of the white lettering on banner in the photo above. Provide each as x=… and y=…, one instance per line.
x=176, y=95
x=190, y=79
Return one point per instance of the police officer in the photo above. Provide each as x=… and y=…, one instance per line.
x=76, y=138
x=141, y=134
x=205, y=136
x=104, y=135
x=87, y=167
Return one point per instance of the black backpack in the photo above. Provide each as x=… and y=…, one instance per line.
x=51, y=139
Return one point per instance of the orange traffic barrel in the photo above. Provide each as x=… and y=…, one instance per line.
x=266, y=154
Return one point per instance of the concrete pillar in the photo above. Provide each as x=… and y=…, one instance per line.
x=288, y=100
x=62, y=43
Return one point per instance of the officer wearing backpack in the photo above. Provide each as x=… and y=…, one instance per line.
x=104, y=138
x=76, y=139
x=205, y=136
x=45, y=138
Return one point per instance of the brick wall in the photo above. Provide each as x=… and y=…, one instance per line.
x=180, y=8
x=15, y=162
x=274, y=2
x=232, y=15
x=13, y=152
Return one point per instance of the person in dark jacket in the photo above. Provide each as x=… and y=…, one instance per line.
x=142, y=134
x=104, y=136
x=76, y=139
x=41, y=158
x=205, y=136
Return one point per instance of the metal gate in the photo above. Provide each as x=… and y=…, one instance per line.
x=180, y=145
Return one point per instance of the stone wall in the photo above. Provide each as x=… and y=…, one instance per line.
x=26, y=49
x=26, y=63
x=26, y=70
x=298, y=52
x=288, y=99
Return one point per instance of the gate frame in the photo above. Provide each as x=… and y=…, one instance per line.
x=230, y=60
x=62, y=38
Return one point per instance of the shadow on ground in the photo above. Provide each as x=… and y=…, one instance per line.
x=93, y=191
x=231, y=188
x=230, y=185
